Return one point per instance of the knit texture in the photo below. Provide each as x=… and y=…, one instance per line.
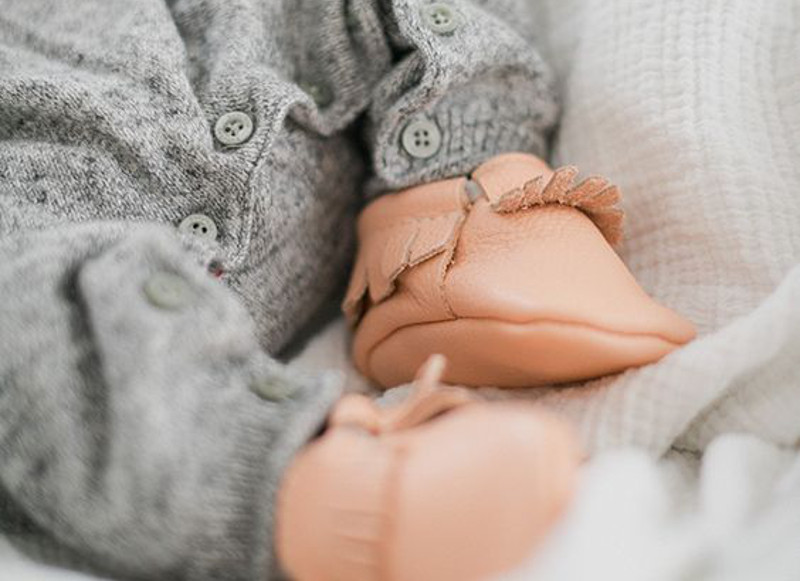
x=691, y=108
x=133, y=439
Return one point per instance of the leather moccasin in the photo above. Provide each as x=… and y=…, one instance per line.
x=510, y=274
x=441, y=488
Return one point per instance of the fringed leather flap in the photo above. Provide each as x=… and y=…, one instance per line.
x=400, y=231
x=517, y=182
x=389, y=247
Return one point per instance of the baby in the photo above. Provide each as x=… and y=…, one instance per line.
x=178, y=185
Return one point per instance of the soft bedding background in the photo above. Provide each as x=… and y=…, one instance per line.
x=693, y=108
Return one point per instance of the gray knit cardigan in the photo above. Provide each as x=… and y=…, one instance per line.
x=178, y=182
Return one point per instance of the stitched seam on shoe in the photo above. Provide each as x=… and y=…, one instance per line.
x=449, y=258
x=550, y=322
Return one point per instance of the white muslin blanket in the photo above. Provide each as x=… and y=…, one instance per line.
x=693, y=108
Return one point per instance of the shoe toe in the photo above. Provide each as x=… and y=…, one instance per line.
x=538, y=298
x=479, y=489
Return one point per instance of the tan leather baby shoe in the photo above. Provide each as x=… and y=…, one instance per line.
x=441, y=488
x=509, y=273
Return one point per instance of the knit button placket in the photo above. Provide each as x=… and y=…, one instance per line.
x=422, y=138
x=440, y=18
x=199, y=225
x=233, y=128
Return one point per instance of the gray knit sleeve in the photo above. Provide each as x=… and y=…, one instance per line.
x=141, y=426
x=467, y=73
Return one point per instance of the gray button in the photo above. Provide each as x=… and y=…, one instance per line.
x=167, y=291
x=440, y=18
x=233, y=128
x=321, y=94
x=199, y=225
x=422, y=138
x=273, y=388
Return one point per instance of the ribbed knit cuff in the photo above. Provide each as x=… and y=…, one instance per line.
x=477, y=90
x=233, y=418
x=494, y=115
x=250, y=482
x=310, y=415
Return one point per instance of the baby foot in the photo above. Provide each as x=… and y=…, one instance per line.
x=509, y=273
x=441, y=488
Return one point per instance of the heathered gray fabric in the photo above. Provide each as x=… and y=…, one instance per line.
x=130, y=439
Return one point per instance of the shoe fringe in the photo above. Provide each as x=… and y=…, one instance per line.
x=411, y=241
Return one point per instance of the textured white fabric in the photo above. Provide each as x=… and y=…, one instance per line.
x=694, y=109
x=636, y=520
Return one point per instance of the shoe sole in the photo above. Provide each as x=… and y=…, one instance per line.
x=484, y=352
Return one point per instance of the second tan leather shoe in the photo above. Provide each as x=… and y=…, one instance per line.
x=510, y=274
x=442, y=487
